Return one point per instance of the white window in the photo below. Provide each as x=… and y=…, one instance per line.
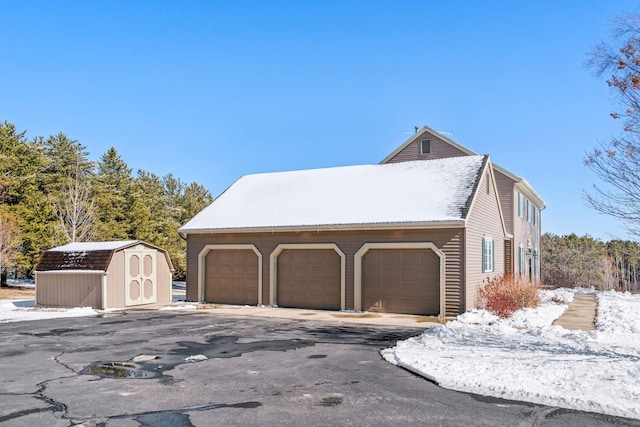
x=528, y=209
x=536, y=265
x=487, y=255
x=521, y=261
x=535, y=216
x=521, y=200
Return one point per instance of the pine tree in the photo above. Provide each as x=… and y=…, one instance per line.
x=112, y=186
x=23, y=194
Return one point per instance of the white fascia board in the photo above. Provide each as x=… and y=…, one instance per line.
x=527, y=190
x=354, y=227
x=71, y=272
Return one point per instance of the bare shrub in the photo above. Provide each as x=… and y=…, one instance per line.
x=504, y=294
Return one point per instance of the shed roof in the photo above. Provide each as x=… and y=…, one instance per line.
x=425, y=191
x=95, y=246
x=87, y=256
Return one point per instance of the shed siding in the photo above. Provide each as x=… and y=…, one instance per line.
x=450, y=241
x=164, y=280
x=69, y=290
x=483, y=222
x=439, y=150
x=115, y=281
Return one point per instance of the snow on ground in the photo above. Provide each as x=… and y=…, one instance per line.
x=20, y=310
x=526, y=358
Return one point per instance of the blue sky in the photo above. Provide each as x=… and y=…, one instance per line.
x=212, y=90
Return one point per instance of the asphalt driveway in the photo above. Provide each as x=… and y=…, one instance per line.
x=199, y=369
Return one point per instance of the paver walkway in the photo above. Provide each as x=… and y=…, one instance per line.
x=581, y=314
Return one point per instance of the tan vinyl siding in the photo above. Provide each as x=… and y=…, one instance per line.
x=449, y=241
x=508, y=199
x=483, y=222
x=525, y=234
x=439, y=150
x=69, y=289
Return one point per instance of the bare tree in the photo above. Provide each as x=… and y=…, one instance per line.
x=617, y=162
x=75, y=211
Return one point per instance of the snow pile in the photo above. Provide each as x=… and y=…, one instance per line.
x=179, y=306
x=17, y=311
x=526, y=358
x=195, y=358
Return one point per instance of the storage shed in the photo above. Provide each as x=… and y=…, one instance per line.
x=103, y=275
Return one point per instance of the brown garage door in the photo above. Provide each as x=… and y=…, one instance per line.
x=309, y=279
x=401, y=281
x=231, y=277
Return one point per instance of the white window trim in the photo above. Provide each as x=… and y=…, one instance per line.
x=521, y=205
x=488, y=264
x=522, y=260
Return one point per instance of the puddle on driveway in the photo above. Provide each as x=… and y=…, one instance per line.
x=118, y=370
x=154, y=366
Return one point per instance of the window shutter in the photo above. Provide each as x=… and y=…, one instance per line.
x=493, y=256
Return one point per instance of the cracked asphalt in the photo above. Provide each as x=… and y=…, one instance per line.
x=154, y=368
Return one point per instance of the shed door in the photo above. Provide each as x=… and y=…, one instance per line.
x=401, y=281
x=140, y=277
x=309, y=279
x=231, y=277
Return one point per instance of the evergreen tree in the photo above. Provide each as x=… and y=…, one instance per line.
x=112, y=185
x=23, y=194
x=148, y=204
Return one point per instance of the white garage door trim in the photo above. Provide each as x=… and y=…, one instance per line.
x=201, y=264
x=273, y=262
x=357, y=268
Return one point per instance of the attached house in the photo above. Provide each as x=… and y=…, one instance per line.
x=415, y=234
x=521, y=205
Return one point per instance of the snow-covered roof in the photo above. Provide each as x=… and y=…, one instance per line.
x=531, y=193
x=87, y=256
x=94, y=246
x=426, y=191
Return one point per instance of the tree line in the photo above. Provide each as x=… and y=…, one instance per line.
x=573, y=261
x=51, y=194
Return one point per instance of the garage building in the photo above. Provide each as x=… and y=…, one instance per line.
x=401, y=238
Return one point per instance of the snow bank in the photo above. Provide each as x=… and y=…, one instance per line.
x=21, y=310
x=526, y=358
